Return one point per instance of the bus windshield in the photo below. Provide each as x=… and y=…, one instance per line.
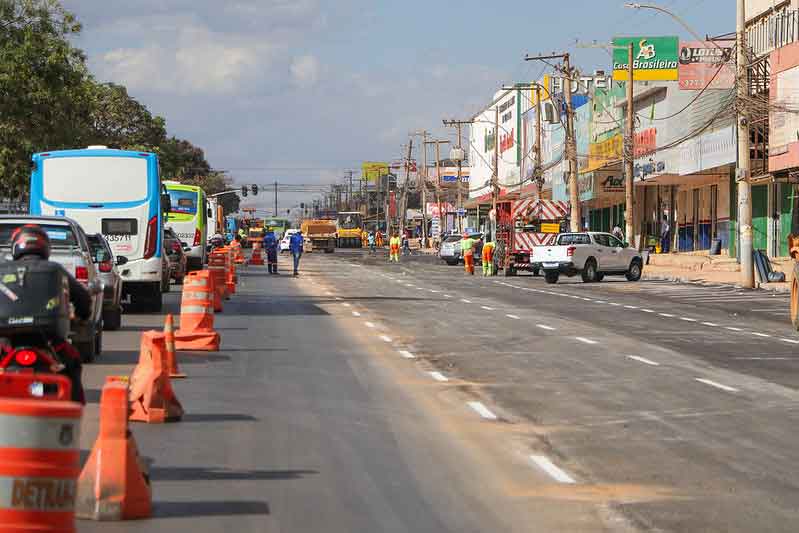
x=95, y=179
x=183, y=202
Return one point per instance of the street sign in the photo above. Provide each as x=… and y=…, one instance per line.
x=550, y=228
x=461, y=212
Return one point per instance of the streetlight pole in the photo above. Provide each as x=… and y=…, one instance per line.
x=629, y=200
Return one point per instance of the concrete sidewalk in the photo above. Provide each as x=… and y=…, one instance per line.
x=691, y=268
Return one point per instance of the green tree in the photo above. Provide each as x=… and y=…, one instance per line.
x=44, y=104
x=119, y=121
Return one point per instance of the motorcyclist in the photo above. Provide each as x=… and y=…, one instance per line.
x=217, y=241
x=30, y=243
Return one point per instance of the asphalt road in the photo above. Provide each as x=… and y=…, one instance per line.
x=672, y=405
x=319, y=415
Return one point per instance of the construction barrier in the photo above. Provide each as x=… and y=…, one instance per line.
x=238, y=253
x=256, y=258
x=114, y=483
x=169, y=345
x=196, y=315
x=216, y=296
x=152, y=398
x=216, y=266
x=231, y=280
x=39, y=460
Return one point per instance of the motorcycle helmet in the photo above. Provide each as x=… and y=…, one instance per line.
x=30, y=239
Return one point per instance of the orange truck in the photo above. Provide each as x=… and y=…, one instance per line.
x=319, y=235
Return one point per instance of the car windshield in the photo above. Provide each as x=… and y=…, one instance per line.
x=98, y=249
x=452, y=238
x=574, y=238
x=61, y=236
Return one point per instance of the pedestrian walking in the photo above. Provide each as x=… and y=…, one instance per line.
x=406, y=245
x=371, y=239
x=665, y=235
x=394, y=248
x=270, y=247
x=467, y=248
x=488, y=259
x=379, y=237
x=295, y=246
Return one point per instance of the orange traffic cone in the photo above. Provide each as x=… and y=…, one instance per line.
x=230, y=273
x=196, y=315
x=256, y=258
x=169, y=344
x=113, y=484
x=151, y=396
x=216, y=265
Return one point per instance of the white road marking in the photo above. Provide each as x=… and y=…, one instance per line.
x=630, y=307
x=767, y=358
x=447, y=296
x=328, y=293
x=438, y=376
x=369, y=325
x=514, y=317
x=601, y=302
x=587, y=341
x=385, y=338
x=543, y=462
x=544, y=326
x=486, y=308
x=464, y=300
x=345, y=304
x=647, y=310
x=717, y=385
x=356, y=313
x=687, y=319
x=760, y=334
x=434, y=291
x=586, y=299
x=614, y=303
x=732, y=328
x=643, y=360
x=710, y=324
x=406, y=354
x=482, y=410
x=792, y=341
x=666, y=315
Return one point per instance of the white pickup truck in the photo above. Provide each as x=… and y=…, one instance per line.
x=590, y=254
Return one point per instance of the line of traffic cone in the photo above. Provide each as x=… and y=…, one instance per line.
x=256, y=258
x=197, y=315
x=151, y=395
x=169, y=344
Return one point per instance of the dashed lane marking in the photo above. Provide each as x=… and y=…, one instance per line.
x=356, y=313
x=482, y=410
x=643, y=360
x=556, y=473
x=733, y=328
x=586, y=341
x=406, y=354
x=757, y=334
x=385, y=338
x=486, y=308
x=647, y=310
x=717, y=385
x=614, y=304
x=438, y=376
x=601, y=302
x=544, y=326
x=687, y=319
x=369, y=325
x=792, y=341
x=630, y=307
x=464, y=300
x=447, y=296
x=345, y=304
x=667, y=315
x=710, y=324
x=514, y=317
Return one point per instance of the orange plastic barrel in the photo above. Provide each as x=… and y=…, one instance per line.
x=196, y=306
x=39, y=463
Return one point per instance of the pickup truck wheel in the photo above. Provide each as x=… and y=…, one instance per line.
x=600, y=277
x=589, y=273
x=536, y=271
x=551, y=276
x=112, y=319
x=451, y=262
x=634, y=272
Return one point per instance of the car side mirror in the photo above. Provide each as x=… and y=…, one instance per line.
x=121, y=260
x=166, y=203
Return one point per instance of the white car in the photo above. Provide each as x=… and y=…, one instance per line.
x=284, y=242
x=590, y=254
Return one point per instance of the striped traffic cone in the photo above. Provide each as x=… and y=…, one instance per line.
x=171, y=356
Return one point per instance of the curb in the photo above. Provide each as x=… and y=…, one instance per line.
x=682, y=279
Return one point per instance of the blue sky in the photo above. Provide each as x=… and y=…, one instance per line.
x=265, y=86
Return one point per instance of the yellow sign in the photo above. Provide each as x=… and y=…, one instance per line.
x=550, y=228
x=372, y=170
x=603, y=153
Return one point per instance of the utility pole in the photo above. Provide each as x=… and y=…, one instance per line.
x=629, y=204
x=438, y=180
x=495, y=176
x=275, y=199
x=422, y=180
x=402, y=209
x=743, y=174
x=571, y=141
x=459, y=125
x=538, y=161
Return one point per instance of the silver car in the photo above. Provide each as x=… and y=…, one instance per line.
x=69, y=247
x=106, y=265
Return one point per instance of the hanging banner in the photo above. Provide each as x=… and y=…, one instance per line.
x=372, y=170
x=654, y=58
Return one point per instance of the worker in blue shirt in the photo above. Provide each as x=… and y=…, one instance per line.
x=270, y=247
x=295, y=246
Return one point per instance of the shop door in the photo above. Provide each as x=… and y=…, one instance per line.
x=787, y=194
x=606, y=220
x=760, y=217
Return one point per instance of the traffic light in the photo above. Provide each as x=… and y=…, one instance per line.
x=254, y=189
x=244, y=190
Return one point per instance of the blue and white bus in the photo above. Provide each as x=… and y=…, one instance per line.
x=113, y=192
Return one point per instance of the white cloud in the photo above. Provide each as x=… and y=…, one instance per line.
x=304, y=71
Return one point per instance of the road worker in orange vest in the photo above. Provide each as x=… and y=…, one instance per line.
x=488, y=259
x=394, y=248
x=467, y=247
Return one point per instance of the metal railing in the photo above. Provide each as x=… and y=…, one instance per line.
x=772, y=32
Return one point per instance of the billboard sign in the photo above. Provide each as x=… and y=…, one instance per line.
x=372, y=170
x=702, y=65
x=654, y=58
